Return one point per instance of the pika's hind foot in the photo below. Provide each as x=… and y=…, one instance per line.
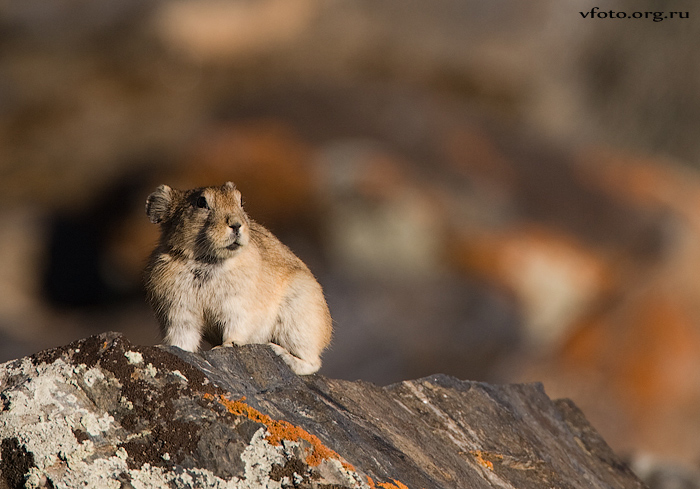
x=298, y=365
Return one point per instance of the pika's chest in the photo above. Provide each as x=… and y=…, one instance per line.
x=217, y=280
x=203, y=284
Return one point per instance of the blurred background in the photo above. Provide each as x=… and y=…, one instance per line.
x=498, y=190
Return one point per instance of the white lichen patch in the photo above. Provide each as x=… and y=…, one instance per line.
x=14, y=368
x=151, y=370
x=92, y=376
x=77, y=472
x=96, y=426
x=149, y=477
x=134, y=357
x=126, y=403
x=43, y=411
x=57, y=413
x=259, y=457
x=179, y=375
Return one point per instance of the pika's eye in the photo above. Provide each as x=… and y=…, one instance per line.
x=202, y=202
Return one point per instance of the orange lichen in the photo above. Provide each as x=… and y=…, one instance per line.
x=386, y=485
x=279, y=430
x=479, y=456
x=395, y=485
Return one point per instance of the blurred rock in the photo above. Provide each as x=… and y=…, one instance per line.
x=659, y=474
x=628, y=80
x=88, y=261
x=641, y=347
x=21, y=262
x=218, y=31
x=267, y=160
x=555, y=280
x=381, y=221
x=385, y=332
x=83, y=101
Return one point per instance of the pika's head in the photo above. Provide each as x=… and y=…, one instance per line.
x=207, y=224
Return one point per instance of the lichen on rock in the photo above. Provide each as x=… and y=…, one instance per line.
x=103, y=413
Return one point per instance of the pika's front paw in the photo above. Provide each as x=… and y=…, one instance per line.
x=281, y=351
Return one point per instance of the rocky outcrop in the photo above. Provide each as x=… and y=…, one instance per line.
x=102, y=412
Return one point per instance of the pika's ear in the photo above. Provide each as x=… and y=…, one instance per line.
x=159, y=204
x=231, y=186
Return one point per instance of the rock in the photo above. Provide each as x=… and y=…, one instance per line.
x=102, y=412
x=638, y=346
x=665, y=474
x=555, y=279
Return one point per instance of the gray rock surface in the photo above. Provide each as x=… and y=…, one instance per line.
x=104, y=413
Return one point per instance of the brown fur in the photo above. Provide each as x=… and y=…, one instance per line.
x=218, y=275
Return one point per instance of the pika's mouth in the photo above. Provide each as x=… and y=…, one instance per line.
x=234, y=246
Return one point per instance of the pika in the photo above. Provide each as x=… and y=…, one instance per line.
x=218, y=275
